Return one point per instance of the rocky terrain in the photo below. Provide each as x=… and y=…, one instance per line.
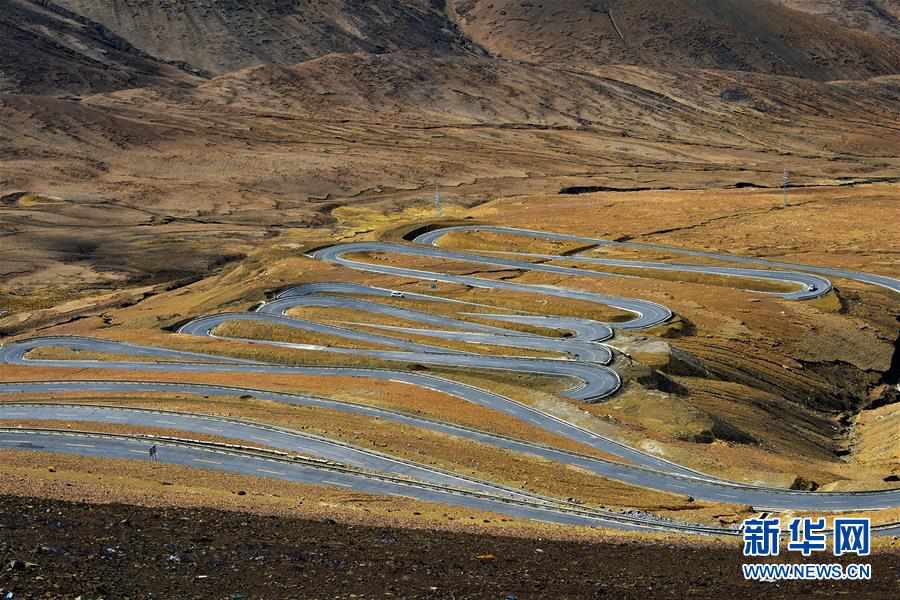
x=96, y=552
x=744, y=35
x=225, y=35
x=47, y=49
x=876, y=16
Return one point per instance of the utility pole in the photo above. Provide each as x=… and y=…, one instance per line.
x=437, y=201
x=787, y=182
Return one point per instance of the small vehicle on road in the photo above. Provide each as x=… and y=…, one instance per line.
x=398, y=295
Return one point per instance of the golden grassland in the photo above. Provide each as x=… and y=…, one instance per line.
x=62, y=353
x=813, y=229
x=256, y=330
x=368, y=322
x=744, y=283
x=877, y=441
x=494, y=242
x=488, y=241
x=457, y=311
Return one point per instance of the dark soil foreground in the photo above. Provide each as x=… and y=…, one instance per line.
x=51, y=549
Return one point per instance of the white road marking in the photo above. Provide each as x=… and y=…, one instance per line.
x=80, y=445
x=211, y=462
x=270, y=472
x=328, y=482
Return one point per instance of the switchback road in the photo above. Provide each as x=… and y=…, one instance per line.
x=581, y=358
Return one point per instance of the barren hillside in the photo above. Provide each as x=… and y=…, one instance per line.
x=224, y=35
x=250, y=153
x=745, y=35
x=837, y=39
x=876, y=16
x=44, y=49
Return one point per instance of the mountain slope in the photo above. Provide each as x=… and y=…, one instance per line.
x=875, y=16
x=824, y=40
x=226, y=35
x=745, y=35
x=47, y=50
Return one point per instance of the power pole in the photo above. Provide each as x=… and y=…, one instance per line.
x=437, y=201
x=787, y=182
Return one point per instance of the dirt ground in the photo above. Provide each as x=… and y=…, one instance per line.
x=73, y=549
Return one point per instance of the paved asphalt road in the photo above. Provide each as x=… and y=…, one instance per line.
x=254, y=433
x=653, y=473
x=647, y=314
x=787, y=272
x=586, y=365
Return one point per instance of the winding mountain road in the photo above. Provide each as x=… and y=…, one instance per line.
x=583, y=359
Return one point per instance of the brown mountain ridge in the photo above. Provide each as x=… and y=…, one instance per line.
x=47, y=49
x=743, y=35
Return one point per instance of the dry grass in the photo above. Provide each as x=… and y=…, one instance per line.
x=61, y=353
x=744, y=283
x=490, y=241
x=256, y=330
x=512, y=243
x=366, y=322
x=744, y=222
x=344, y=315
x=877, y=442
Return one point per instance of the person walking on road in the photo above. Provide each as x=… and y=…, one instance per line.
x=153, y=451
